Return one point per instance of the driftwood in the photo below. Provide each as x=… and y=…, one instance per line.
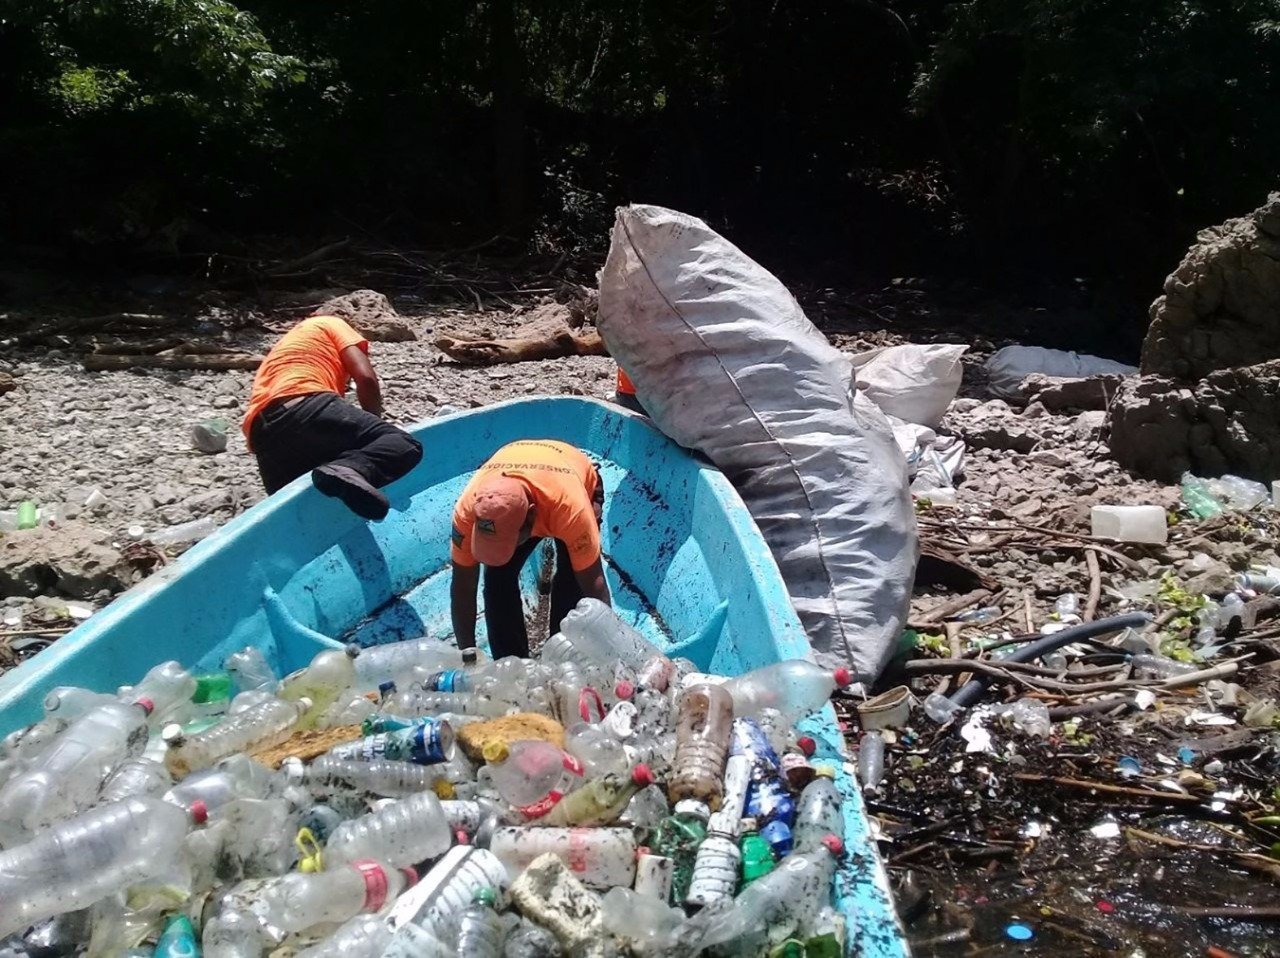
x=98, y=362
x=494, y=352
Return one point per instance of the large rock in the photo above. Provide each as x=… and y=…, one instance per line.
x=371, y=314
x=1228, y=422
x=1221, y=306
x=1056, y=393
x=71, y=560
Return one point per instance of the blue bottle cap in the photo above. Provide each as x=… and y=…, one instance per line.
x=1019, y=932
x=778, y=835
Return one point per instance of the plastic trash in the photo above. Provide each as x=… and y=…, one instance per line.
x=795, y=688
x=532, y=775
x=383, y=777
x=403, y=833
x=595, y=629
x=27, y=517
x=261, y=726
x=939, y=708
x=385, y=663
x=548, y=893
x=428, y=742
x=178, y=940
x=480, y=930
x=325, y=678
x=1130, y=523
x=1028, y=716
x=703, y=727
x=715, y=870
x=444, y=892
x=871, y=761
x=1160, y=667
x=598, y=857
x=209, y=435
x=653, y=875
x=135, y=777
x=818, y=813
x=915, y=382
x=767, y=796
x=600, y=801
x=528, y=940
x=249, y=670
x=77, y=862
x=184, y=532
x=297, y=902
x=647, y=925
x=365, y=936
x=756, y=854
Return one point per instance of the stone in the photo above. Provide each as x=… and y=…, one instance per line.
x=7, y=383
x=1219, y=306
x=370, y=314
x=164, y=494
x=1227, y=423
x=1088, y=425
x=1057, y=394
x=206, y=502
x=70, y=560
x=224, y=402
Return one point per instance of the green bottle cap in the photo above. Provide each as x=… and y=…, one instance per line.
x=485, y=896
x=757, y=857
x=788, y=949
x=213, y=687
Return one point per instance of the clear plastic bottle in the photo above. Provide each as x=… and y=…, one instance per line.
x=703, y=726
x=594, y=626
x=1160, y=667
x=235, y=777
x=818, y=813
x=469, y=816
x=532, y=775
x=795, y=688
x=447, y=889
x=648, y=925
x=656, y=673
x=69, y=702
x=347, y=710
x=418, y=701
x=297, y=902
x=871, y=761
x=599, y=801
x=329, y=674
x=135, y=777
x=364, y=936
x=383, y=663
x=480, y=928
x=378, y=777
x=232, y=934
x=168, y=686
x=65, y=778
x=598, y=857
x=426, y=743
x=75, y=863
x=599, y=752
x=261, y=726
x=528, y=940
x=647, y=808
x=405, y=832
x=250, y=670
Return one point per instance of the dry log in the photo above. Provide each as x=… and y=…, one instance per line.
x=222, y=361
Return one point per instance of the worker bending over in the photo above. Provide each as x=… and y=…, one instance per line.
x=298, y=422
x=530, y=490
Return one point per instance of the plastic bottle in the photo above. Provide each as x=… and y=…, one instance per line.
x=767, y=797
x=755, y=852
x=795, y=765
x=364, y=936
x=871, y=761
x=702, y=742
x=528, y=940
x=647, y=808
x=178, y=940
x=1130, y=523
x=250, y=670
x=468, y=817
x=653, y=875
x=427, y=743
x=405, y=832
x=433, y=906
x=69, y=702
x=1265, y=582
x=1160, y=667
x=595, y=626
x=297, y=902
x=75, y=863
x=235, y=777
x=383, y=663
x=168, y=686
x=418, y=701
x=599, y=801
x=376, y=777
x=795, y=688
x=599, y=752
x=261, y=726
x=135, y=777
x=598, y=857
x=678, y=838
x=648, y=926
x=480, y=928
x=232, y=934
x=940, y=709
x=65, y=778
x=532, y=775
x=328, y=675
x=818, y=812
x=656, y=673
x=349, y=709
x=715, y=870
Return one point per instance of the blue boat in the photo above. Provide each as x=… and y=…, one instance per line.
x=299, y=572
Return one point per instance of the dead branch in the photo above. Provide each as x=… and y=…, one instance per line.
x=96, y=362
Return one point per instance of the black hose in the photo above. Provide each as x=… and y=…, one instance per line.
x=972, y=690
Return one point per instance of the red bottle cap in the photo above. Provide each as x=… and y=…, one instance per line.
x=462, y=837
x=642, y=850
x=843, y=677
x=833, y=844
x=199, y=811
x=624, y=690
x=806, y=745
x=641, y=775
x=147, y=705
x=410, y=876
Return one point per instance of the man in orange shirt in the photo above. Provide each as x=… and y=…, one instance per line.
x=529, y=490
x=298, y=422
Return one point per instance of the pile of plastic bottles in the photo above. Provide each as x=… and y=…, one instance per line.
x=602, y=799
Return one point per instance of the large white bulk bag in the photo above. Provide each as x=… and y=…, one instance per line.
x=726, y=363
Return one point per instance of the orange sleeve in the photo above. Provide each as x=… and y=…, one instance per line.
x=342, y=334
x=459, y=538
x=576, y=527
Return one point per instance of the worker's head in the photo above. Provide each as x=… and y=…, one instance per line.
x=503, y=520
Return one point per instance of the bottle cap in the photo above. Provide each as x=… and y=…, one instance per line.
x=749, y=825
x=292, y=768
x=444, y=789
x=146, y=705
x=352, y=650
x=386, y=688
x=642, y=850
x=495, y=752
x=641, y=775
x=843, y=677
x=305, y=703
x=806, y=745
x=691, y=806
x=172, y=734
x=199, y=811
x=470, y=656
x=484, y=896
x=833, y=844
x=410, y=876
x=624, y=690
x=461, y=837
x=825, y=771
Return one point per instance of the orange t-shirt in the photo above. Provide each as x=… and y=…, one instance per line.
x=625, y=386
x=561, y=482
x=307, y=359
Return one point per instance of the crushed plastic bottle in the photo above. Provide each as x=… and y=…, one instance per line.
x=598, y=857
x=480, y=930
x=261, y=726
x=297, y=902
x=250, y=671
x=403, y=833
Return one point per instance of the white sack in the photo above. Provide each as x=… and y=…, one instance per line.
x=1008, y=367
x=726, y=363
x=914, y=382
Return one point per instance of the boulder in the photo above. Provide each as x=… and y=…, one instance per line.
x=1221, y=306
x=993, y=425
x=71, y=560
x=1227, y=423
x=370, y=314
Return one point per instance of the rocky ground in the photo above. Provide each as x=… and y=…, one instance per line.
x=110, y=454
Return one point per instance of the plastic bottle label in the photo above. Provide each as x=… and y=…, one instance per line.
x=375, y=884
x=542, y=806
x=577, y=857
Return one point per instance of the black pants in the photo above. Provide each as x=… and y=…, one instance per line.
x=291, y=439
x=504, y=610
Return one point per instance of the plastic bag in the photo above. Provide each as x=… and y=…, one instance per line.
x=728, y=365
x=1008, y=367
x=914, y=382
